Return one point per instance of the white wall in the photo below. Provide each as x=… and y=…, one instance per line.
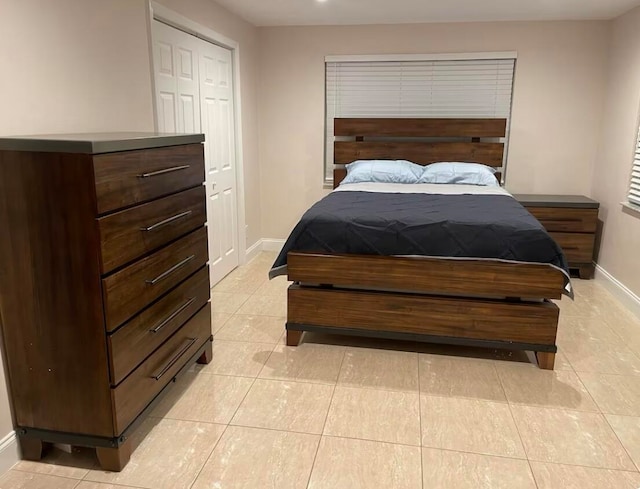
x=559, y=88
x=621, y=233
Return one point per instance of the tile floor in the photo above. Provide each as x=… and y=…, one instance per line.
x=349, y=413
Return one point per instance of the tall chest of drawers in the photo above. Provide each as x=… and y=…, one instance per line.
x=104, y=285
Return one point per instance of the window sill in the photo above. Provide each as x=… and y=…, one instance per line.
x=633, y=210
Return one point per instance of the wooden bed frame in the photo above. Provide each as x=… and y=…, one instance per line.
x=462, y=302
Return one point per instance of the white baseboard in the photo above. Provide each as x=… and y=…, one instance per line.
x=253, y=251
x=619, y=290
x=9, y=452
x=269, y=244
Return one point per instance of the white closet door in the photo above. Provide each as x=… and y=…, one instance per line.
x=194, y=93
x=177, y=82
x=217, y=113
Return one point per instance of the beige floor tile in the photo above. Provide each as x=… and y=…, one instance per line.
x=555, y=476
x=287, y=406
x=569, y=437
x=469, y=425
x=362, y=464
x=204, y=397
x=263, y=259
x=629, y=330
x=591, y=346
x=276, y=287
x=614, y=394
x=241, y=281
x=15, y=479
x=218, y=319
x=226, y=302
x=459, y=377
x=100, y=485
x=305, y=363
x=593, y=301
x=250, y=458
x=375, y=415
x=528, y=384
x=457, y=470
x=237, y=358
x=256, y=329
x=73, y=465
x=627, y=429
x=382, y=369
x=180, y=448
x=562, y=362
x=265, y=305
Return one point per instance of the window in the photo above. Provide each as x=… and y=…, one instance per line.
x=634, y=186
x=468, y=86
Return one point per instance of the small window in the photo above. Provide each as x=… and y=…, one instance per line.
x=455, y=86
x=634, y=186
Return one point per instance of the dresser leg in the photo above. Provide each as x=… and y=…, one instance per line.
x=586, y=272
x=293, y=337
x=114, y=459
x=546, y=360
x=207, y=354
x=32, y=448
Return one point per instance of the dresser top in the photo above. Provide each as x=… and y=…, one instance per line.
x=542, y=200
x=93, y=143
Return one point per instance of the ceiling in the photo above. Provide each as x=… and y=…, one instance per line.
x=345, y=12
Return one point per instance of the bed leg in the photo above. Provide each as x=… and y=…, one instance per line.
x=546, y=359
x=293, y=337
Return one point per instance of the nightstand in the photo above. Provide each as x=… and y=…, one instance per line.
x=571, y=220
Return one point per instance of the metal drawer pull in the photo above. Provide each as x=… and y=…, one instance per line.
x=162, y=172
x=188, y=344
x=166, y=221
x=172, y=315
x=170, y=271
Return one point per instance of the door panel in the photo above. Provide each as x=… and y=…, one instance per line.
x=194, y=93
x=218, y=124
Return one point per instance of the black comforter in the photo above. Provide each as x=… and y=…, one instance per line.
x=462, y=226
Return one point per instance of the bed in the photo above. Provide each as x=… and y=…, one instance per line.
x=453, y=264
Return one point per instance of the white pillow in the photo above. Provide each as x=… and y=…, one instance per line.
x=461, y=173
x=383, y=171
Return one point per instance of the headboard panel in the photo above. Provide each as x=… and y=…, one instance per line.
x=489, y=154
x=420, y=128
x=421, y=152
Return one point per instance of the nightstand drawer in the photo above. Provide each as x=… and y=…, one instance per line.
x=562, y=219
x=577, y=247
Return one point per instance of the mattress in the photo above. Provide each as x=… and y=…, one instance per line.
x=428, y=220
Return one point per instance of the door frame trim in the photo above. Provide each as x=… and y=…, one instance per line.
x=174, y=19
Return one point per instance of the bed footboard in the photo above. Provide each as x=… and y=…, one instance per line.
x=473, y=303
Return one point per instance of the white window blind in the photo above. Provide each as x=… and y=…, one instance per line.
x=466, y=88
x=634, y=187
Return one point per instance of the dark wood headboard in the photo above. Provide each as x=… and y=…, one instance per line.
x=467, y=147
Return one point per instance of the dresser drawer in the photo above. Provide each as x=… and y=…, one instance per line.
x=129, y=234
x=578, y=248
x=131, y=289
x=561, y=219
x=138, y=338
x=138, y=390
x=131, y=177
